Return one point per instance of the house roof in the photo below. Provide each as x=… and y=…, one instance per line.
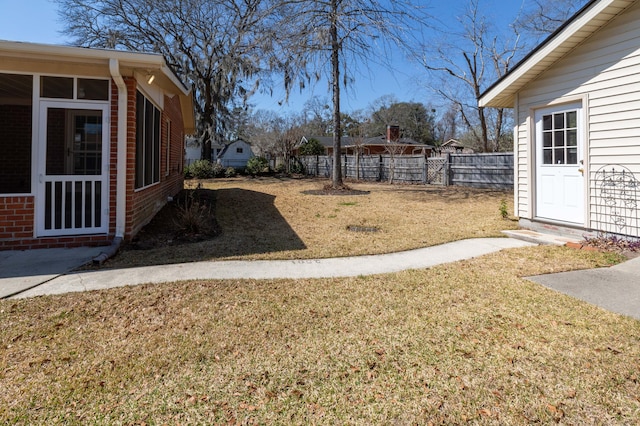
x=348, y=141
x=327, y=141
x=226, y=147
x=452, y=143
x=593, y=16
x=37, y=58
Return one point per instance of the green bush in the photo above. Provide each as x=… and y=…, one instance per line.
x=199, y=169
x=312, y=147
x=230, y=172
x=297, y=168
x=218, y=170
x=281, y=168
x=257, y=166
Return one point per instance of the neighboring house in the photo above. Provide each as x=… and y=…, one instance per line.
x=391, y=143
x=326, y=141
x=92, y=143
x=193, y=150
x=577, y=123
x=236, y=154
x=453, y=146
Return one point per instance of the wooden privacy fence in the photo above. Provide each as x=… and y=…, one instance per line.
x=476, y=170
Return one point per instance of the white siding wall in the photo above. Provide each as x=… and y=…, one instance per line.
x=232, y=158
x=606, y=71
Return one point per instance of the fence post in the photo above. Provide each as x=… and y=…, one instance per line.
x=424, y=170
x=447, y=170
x=344, y=166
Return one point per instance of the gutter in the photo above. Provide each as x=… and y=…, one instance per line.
x=121, y=159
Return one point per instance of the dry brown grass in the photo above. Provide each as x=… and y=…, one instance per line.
x=468, y=342
x=270, y=218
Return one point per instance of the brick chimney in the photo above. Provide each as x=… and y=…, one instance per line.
x=393, y=133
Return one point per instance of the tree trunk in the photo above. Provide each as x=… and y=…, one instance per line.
x=206, y=146
x=336, y=177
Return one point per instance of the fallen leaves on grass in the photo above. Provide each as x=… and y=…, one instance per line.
x=462, y=342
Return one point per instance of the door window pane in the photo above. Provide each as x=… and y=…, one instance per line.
x=74, y=142
x=558, y=121
x=558, y=154
x=560, y=138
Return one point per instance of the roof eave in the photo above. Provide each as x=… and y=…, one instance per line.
x=583, y=24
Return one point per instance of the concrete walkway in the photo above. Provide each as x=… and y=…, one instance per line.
x=21, y=270
x=315, y=268
x=40, y=272
x=616, y=289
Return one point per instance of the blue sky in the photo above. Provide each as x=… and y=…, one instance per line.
x=37, y=21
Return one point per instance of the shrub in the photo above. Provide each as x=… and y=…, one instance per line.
x=230, y=172
x=257, y=165
x=503, y=209
x=312, y=147
x=281, y=168
x=199, y=169
x=218, y=170
x=297, y=168
x=194, y=216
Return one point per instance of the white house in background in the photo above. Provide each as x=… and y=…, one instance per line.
x=236, y=154
x=193, y=150
x=577, y=123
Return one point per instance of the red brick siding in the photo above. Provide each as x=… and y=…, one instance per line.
x=144, y=203
x=17, y=228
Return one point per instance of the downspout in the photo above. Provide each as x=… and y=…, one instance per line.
x=121, y=159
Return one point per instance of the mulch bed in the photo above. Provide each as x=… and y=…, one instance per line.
x=167, y=228
x=330, y=190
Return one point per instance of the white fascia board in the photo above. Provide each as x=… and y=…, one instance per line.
x=553, y=49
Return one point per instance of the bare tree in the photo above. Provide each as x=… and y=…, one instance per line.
x=445, y=127
x=329, y=36
x=217, y=46
x=394, y=149
x=275, y=137
x=262, y=133
x=541, y=17
x=463, y=64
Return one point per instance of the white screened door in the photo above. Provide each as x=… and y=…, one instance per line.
x=560, y=189
x=72, y=170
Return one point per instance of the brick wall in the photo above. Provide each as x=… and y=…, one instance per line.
x=17, y=228
x=144, y=203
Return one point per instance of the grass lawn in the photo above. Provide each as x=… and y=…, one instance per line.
x=470, y=342
x=270, y=218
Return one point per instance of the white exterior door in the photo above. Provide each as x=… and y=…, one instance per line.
x=72, y=188
x=560, y=191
